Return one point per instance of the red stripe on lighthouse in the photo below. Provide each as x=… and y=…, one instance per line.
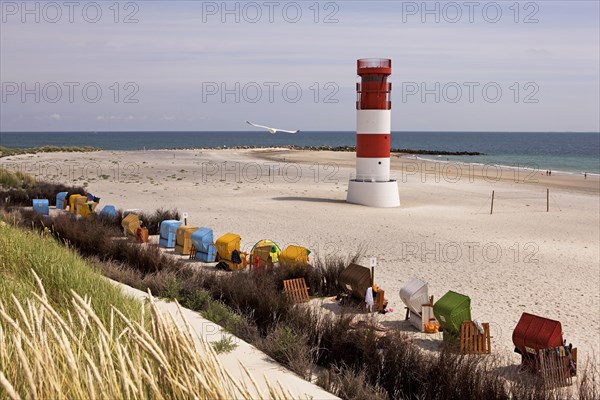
x=372, y=146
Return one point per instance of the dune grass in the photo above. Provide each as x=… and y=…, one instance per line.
x=13, y=151
x=52, y=358
x=23, y=253
x=15, y=179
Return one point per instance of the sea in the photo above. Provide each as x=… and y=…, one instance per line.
x=566, y=152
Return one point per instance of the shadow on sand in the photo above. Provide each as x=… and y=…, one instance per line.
x=310, y=199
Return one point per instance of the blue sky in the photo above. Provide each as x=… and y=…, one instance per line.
x=534, y=67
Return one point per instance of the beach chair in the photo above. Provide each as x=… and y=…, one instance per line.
x=451, y=310
x=540, y=343
x=75, y=201
x=141, y=235
x=296, y=290
x=61, y=200
x=130, y=225
x=168, y=233
x=262, y=257
x=558, y=366
x=183, y=239
x=258, y=250
x=419, y=305
x=87, y=209
x=41, y=206
x=294, y=255
x=226, y=244
x=474, y=342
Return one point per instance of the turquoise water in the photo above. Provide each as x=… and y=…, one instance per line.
x=570, y=164
x=573, y=152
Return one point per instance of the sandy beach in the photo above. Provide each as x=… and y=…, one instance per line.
x=519, y=259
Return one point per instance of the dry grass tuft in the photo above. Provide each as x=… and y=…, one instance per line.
x=44, y=354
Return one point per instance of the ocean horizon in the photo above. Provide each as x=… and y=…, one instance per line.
x=570, y=152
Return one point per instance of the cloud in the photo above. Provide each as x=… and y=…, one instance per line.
x=541, y=52
x=121, y=118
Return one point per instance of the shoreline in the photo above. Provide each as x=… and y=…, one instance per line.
x=424, y=154
x=561, y=172
x=407, y=166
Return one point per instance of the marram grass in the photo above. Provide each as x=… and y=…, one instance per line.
x=15, y=179
x=46, y=355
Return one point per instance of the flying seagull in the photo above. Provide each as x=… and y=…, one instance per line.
x=272, y=130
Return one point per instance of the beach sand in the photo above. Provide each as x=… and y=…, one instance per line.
x=520, y=259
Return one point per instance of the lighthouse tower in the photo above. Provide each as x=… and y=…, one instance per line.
x=372, y=184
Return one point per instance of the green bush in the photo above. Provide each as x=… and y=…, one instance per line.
x=225, y=345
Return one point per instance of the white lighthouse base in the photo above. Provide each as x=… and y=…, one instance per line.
x=373, y=194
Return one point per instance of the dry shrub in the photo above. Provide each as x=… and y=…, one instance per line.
x=38, y=190
x=589, y=382
x=152, y=220
x=348, y=384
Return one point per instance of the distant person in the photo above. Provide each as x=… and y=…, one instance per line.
x=585, y=175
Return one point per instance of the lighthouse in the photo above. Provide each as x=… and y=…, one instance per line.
x=372, y=184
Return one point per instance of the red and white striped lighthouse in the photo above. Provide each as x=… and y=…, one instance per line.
x=372, y=185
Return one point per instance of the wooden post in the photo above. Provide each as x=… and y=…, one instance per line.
x=373, y=263
x=547, y=200
x=492, y=207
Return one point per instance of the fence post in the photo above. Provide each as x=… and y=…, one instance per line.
x=492, y=207
x=547, y=200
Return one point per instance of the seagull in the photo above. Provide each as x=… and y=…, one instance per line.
x=272, y=131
